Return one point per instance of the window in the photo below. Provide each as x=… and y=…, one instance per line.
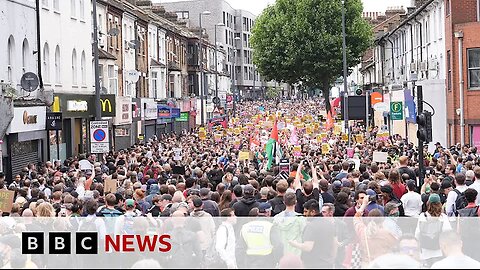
x=473, y=68
x=45, y=3
x=447, y=7
x=182, y=14
x=57, y=65
x=154, y=84
x=73, y=8
x=74, y=67
x=112, y=79
x=171, y=88
x=449, y=69
x=10, y=58
x=100, y=74
x=25, y=55
x=56, y=5
x=83, y=69
x=46, y=63
x=82, y=9
x=478, y=10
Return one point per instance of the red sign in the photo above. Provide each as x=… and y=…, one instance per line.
x=229, y=98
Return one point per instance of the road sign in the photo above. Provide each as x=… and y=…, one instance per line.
x=396, y=110
x=99, y=137
x=54, y=121
x=216, y=100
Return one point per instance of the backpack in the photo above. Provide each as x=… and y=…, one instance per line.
x=468, y=212
x=212, y=258
x=430, y=231
x=461, y=202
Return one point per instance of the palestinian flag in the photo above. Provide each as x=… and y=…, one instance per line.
x=273, y=148
x=254, y=143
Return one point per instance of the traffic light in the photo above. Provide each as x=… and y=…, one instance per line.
x=359, y=92
x=424, y=121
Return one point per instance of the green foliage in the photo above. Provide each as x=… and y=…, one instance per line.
x=272, y=92
x=301, y=41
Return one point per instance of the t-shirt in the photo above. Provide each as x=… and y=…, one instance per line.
x=302, y=198
x=398, y=189
x=408, y=171
x=327, y=197
x=412, y=204
x=456, y=262
x=322, y=232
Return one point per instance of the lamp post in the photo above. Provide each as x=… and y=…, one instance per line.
x=345, y=73
x=234, y=90
x=216, y=59
x=202, y=88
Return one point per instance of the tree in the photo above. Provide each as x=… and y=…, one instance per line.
x=301, y=41
x=272, y=92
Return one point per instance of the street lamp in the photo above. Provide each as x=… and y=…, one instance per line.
x=202, y=90
x=345, y=73
x=216, y=59
x=234, y=90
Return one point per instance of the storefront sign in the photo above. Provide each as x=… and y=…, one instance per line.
x=77, y=105
x=163, y=112
x=183, y=117
x=28, y=119
x=54, y=121
x=174, y=112
x=107, y=105
x=124, y=114
x=149, y=107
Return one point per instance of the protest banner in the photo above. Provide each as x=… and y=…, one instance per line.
x=6, y=200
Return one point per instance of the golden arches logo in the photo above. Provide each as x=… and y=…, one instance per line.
x=106, y=102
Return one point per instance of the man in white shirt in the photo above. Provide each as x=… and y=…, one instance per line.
x=451, y=245
x=412, y=201
x=225, y=241
x=476, y=183
x=452, y=195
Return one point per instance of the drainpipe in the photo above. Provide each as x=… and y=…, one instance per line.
x=459, y=35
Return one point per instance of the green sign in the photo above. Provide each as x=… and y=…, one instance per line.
x=183, y=117
x=396, y=110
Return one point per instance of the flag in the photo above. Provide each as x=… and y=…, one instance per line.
x=293, y=137
x=254, y=143
x=329, y=121
x=273, y=149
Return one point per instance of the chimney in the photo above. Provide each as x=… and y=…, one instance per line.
x=144, y=3
x=410, y=10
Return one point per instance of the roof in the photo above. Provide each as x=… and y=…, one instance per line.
x=409, y=18
x=155, y=63
x=102, y=54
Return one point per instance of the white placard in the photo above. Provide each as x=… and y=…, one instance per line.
x=178, y=154
x=380, y=157
x=99, y=137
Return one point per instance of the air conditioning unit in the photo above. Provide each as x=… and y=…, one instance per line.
x=413, y=66
x=424, y=66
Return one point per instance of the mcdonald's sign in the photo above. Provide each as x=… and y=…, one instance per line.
x=107, y=105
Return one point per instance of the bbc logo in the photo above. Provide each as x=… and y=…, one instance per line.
x=59, y=243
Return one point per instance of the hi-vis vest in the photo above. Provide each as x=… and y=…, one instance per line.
x=257, y=237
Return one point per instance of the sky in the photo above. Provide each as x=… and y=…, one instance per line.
x=256, y=6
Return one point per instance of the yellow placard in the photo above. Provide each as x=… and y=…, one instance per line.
x=325, y=148
x=243, y=155
x=237, y=131
x=359, y=138
x=323, y=135
x=218, y=137
x=337, y=129
x=345, y=137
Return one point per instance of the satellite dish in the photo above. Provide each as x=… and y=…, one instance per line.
x=134, y=44
x=113, y=32
x=29, y=82
x=132, y=76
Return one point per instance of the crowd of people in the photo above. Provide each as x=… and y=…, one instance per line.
x=206, y=180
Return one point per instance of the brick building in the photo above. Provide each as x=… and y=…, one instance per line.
x=462, y=24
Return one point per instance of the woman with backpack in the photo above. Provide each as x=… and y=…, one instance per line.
x=429, y=227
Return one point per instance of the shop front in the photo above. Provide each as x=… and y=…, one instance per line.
x=149, y=116
x=122, y=123
x=164, y=119
x=26, y=139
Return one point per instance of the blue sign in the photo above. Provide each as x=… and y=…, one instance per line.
x=163, y=112
x=175, y=112
x=99, y=135
x=410, y=108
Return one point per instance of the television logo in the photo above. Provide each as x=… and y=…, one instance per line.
x=88, y=243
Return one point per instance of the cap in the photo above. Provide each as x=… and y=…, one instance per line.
x=248, y=190
x=428, y=189
x=264, y=207
x=197, y=202
x=129, y=202
x=346, y=183
x=337, y=184
x=387, y=189
x=438, y=143
x=371, y=192
x=204, y=192
x=446, y=184
x=434, y=198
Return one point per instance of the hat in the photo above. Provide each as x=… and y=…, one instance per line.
x=346, y=183
x=264, y=207
x=446, y=184
x=129, y=202
x=387, y=189
x=204, y=192
x=197, y=202
x=438, y=143
x=371, y=192
x=337, y=184
x=248, y=190
x=428, y=189
x=434, y=198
